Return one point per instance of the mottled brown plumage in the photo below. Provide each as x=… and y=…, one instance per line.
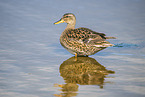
x=81, y=41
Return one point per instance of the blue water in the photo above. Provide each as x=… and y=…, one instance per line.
x=31, y=55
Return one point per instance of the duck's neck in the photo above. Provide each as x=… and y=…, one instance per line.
x=71, y=25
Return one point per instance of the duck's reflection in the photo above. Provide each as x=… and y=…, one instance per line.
x=68, y=90
x=84, y=71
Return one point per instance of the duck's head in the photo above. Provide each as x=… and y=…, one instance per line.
x=68, y=18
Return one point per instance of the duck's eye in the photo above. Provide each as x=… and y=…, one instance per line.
x=67, y=16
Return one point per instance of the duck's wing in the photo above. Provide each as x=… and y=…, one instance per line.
x=87, y=36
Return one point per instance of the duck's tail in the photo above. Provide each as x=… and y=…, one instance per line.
x=110, y=37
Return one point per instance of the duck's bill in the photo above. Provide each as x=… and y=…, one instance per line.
x=60, y=21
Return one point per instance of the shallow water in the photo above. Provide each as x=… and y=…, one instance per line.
x=31, y=58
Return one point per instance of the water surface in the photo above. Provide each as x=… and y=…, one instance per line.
x=31, y=57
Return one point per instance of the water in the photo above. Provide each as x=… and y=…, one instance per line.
x=31, y=57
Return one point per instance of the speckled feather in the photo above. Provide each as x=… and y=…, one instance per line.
x=84, y=34
x=83, y=41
